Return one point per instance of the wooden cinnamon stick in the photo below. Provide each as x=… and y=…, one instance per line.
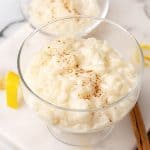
x=139, y=129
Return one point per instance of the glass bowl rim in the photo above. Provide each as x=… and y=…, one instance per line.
x=104, y=14
x=140, y=74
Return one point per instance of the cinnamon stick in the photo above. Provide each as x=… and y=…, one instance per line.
x=139, y=129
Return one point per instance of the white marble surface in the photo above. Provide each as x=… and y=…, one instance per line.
x=9, y=12
x=128, y=13
x=131, y=15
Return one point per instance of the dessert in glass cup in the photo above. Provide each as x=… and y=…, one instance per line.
x=81, y=85
x=40, y=12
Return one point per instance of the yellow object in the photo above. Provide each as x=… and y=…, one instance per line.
x=147, y=63
x=147, y=58
x=145, y=46
x=2, y=84
x=146, y=52
x=11, y=85
x=145, y=49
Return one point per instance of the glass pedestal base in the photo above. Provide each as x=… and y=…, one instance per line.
x=79, y=139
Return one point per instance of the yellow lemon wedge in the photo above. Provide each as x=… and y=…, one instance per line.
x=11, y=86
x=147, y=58
x=2, y=84
x=145, y=46
x=145, y=49
x=147, y=63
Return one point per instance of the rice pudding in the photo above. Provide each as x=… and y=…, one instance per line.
x=43, y=11
x=84, y=74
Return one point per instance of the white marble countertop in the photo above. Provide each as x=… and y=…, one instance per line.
x=9, y=13
x=128, y=13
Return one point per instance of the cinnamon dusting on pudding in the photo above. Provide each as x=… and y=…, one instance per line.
x=43, y=11
x=91, y=84
x=67, y=5
x=74, y=73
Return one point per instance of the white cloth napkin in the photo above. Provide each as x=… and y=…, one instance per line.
x=22, y=129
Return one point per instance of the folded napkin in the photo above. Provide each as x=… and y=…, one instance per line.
x=22, y=129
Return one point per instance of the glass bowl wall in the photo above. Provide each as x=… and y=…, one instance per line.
x=119, y=39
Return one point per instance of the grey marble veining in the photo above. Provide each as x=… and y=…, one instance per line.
x=9, y=16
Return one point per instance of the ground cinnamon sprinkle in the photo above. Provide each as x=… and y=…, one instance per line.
x=92, y=80
x=76, y=12
x=69, y=64
x=66, y=5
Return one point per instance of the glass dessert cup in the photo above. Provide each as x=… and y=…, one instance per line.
x=81, y=134
x=103, y=6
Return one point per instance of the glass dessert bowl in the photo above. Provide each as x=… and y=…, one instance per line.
x=40, y=12
x=81, y=85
